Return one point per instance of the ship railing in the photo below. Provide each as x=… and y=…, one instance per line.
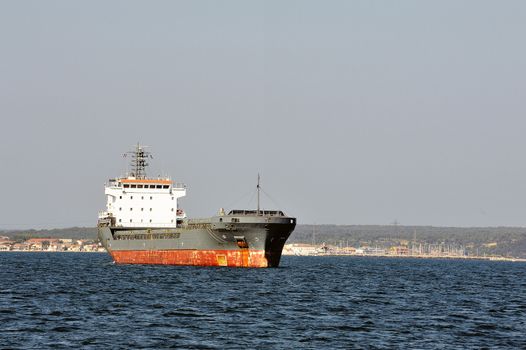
x=199, y=221
x=255, y=212
x=179, y=186
x=148, y=225
x=104, y=214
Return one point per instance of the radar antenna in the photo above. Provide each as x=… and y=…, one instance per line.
x=139, y=162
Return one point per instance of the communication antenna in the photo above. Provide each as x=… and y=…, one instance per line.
x=258, y=187
x=138, y=161
x=414, y=241
x=395, y=223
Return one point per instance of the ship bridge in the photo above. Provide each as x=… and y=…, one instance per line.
x=139, y=201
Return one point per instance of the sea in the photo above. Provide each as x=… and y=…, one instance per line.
x=84, y=300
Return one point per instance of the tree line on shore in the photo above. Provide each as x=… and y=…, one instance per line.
x=501, y=241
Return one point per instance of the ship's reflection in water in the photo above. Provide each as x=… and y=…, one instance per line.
x=72, y=300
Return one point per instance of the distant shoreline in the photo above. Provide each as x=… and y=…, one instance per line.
x=486, y=258
x=505, y=241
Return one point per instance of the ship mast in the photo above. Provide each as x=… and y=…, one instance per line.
x=138, y=162
x=258, y=187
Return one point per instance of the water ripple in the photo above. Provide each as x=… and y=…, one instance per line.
x=83, y=300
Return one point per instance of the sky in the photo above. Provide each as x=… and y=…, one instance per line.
x=353, y=112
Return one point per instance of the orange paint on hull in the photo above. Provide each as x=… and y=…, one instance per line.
x=233, y=258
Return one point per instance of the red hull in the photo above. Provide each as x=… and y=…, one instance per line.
x=233, y=258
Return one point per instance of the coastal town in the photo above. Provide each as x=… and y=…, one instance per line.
x=292, y=249
x=415, y=251
x=50, y=245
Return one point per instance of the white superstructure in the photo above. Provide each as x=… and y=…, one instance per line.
x=138, y=201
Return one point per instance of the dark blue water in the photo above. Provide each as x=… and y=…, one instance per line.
x=65, y=300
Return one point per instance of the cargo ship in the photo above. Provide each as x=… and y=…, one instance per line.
x=143, y=224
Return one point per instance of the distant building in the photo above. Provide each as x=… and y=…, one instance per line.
x=41, y=240
x=348, y=250
x=299, y=249
x=21, y=246
x=374, y=251
x=36, y=246
x=400, y=250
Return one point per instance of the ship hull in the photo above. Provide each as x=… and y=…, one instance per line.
x=231, y=258
x=218, y=241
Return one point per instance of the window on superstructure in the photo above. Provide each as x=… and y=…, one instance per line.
x=131, y=197
x=126, y=186
x=120, y=197
x=165, y=186
x=150, y=209
x=172, y=198
x=120, y=220
x=142, y=197
x=152, y=186
x=159, y=186
x=139, y=186
x=130, y=220
x=150, y=220
x=133, y=186
x=131, y=209
x=120, y=208
x=142, y=209
x=151, y=197
x=172, y=209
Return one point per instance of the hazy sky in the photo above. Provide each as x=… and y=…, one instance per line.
x=354, y=112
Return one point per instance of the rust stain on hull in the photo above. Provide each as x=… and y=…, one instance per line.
x=232, y=258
